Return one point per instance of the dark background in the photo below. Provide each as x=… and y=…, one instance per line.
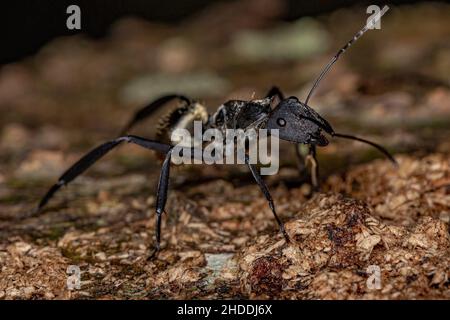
x=32, y=23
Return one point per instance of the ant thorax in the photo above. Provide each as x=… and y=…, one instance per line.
x=235, y=125
x=241, y=114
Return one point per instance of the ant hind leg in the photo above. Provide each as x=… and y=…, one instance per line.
x=161, y=199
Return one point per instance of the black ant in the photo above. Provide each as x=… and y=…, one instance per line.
x=296, y=121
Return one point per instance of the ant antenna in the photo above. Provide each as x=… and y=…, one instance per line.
x=373, y=144
x=369, y=25
x=327, y=128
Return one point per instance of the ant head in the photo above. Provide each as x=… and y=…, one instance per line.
x=298, y=123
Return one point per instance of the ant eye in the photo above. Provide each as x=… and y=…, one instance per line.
x=281, y=122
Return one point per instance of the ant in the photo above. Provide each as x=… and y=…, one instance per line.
x=296, y=121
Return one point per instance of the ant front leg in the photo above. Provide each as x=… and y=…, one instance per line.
x=309, y=159
x=312, y=158
x=300, y=154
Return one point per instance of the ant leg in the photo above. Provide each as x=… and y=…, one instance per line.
x=312, y=158
x=148, y=110
x=266, y=193
x=90, y=158
x=161, y=199
x=157, y=247
x=300, y=157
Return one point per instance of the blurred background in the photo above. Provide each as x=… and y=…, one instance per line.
x=33, y=23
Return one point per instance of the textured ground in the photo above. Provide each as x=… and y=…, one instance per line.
x=219, y=237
